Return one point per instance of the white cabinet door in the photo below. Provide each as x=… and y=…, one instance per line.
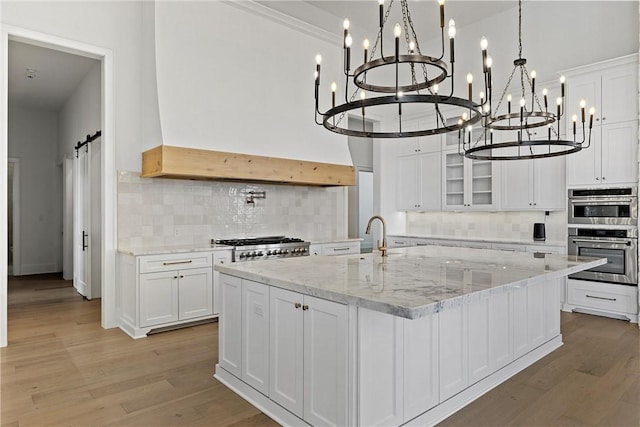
x=408, y=181
x=158, y=298
x=325, y=362
x=588, y=87
x=429, y=181
x=620, y=153
x=255, y=335
x=500, y=330
x=219, y=258
x=620, y=94
x=549, y=183
x=519, y=321
x=380, y=341
x=230, y=324
x=418, y=184
x=584, y=167
x=195, y=293
x=286, y=350
x=535, y=316
x=421, y=391
x=454, y=351
x=516, y=183
x=315, y=249
x=479, y=357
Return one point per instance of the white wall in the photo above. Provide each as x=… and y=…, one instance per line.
x=33, y=139
x=81, y=114
x=113, y=25
x=556, y=35
x=231, y=80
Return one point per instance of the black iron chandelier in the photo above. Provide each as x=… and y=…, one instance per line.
x=516, y=125
x=387, y=84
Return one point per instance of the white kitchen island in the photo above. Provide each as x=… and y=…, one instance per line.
x=366, y=340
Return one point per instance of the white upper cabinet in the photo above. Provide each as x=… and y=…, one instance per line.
x=418, y=182
x=537, y=184
x=418, y=145
x=612, y=88
x=418, y=178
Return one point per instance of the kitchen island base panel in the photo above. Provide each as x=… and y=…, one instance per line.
x=431, y=417
x=455, y=403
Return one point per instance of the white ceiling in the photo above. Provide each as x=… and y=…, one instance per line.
x=329, y=14
x=56, y=77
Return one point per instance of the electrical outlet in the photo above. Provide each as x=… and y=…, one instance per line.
x=176, y=232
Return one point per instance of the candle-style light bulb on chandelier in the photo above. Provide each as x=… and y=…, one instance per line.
x=387, y=85
x=515, y=126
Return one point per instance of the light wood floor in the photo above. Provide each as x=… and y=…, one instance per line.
x=61, y=369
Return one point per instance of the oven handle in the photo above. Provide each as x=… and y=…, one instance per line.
x=599, y=201
x=628, y=242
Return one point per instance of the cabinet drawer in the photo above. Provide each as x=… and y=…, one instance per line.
x=546, y=249
x=512, y=247
x=341, y=248
x=603, y=296
x=156, y=263
x=398, y=242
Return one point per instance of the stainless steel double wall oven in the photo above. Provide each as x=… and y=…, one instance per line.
x=603, y=222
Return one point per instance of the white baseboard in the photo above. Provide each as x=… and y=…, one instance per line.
x=26, y=269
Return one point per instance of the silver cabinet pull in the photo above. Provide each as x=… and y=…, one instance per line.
x=177, y=262
x=595, y=297
x=305, y=307
x=341, y=249
x=297, y=305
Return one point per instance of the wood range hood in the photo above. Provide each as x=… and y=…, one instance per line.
x=190, y=163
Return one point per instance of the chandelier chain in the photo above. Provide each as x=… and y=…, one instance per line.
x=371, y=56
x=519, y=28
x=406, y=20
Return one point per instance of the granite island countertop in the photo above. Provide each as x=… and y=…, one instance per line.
x=410, y=282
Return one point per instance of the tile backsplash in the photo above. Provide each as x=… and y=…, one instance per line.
x=158, y=211
x=516, y=226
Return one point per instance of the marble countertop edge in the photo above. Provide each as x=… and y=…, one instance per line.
x=533, y=277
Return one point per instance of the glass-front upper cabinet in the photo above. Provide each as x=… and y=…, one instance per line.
x=467, y=184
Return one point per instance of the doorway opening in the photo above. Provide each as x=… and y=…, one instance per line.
x=360, y=196
x=61, y=134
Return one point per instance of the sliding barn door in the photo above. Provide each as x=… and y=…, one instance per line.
x=82, y=222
